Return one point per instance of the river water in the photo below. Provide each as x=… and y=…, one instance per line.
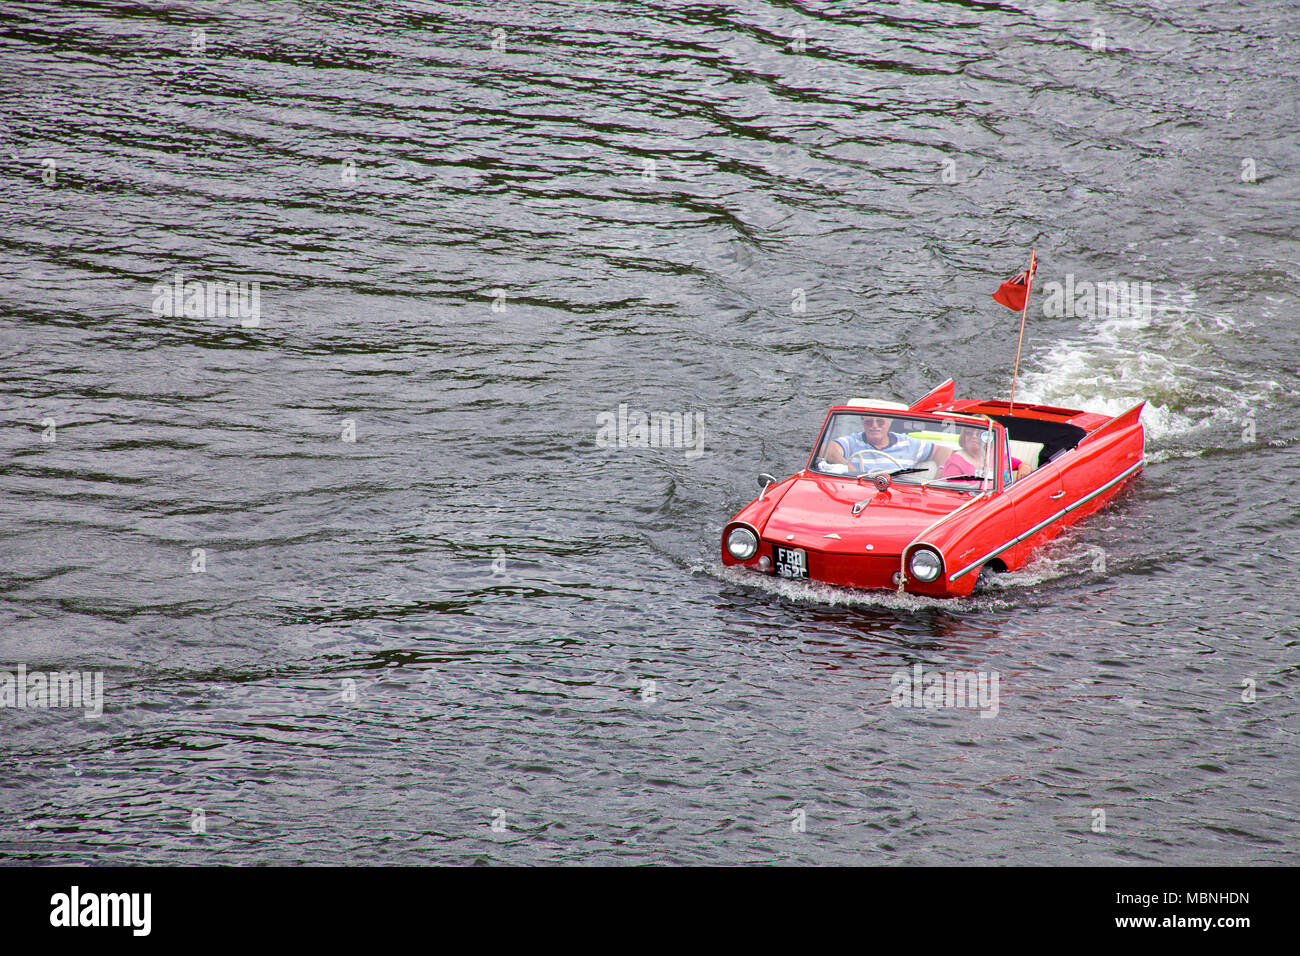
x=365, y=587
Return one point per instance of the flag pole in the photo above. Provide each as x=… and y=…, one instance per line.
x=1029, y=286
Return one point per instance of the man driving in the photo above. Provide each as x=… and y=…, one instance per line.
x=876, y=448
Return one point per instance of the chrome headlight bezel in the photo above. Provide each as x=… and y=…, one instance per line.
x=739, y=534
x=931, y=565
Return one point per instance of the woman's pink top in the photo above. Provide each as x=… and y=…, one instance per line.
x=957, y=465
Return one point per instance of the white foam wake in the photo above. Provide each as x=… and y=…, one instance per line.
x=826, y=595
x=1169, y=358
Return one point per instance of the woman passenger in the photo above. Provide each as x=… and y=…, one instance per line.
x=972, y=449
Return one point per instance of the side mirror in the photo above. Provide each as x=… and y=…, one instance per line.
x=765, y=479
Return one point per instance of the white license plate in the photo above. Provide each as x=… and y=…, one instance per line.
x=791, y=562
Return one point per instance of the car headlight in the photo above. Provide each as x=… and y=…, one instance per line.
x=742, y=544
x=925, y=565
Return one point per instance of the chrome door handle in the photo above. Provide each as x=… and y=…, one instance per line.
x=1059, y=494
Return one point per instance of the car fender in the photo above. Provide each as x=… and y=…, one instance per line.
x=759, y=511
x=961, y=539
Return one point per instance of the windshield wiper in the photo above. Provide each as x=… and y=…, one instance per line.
x=963, y=478
x=904, y=471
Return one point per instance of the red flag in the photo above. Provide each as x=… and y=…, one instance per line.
x=1012, y=293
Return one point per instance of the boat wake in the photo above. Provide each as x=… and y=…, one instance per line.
x=1065, y=557
x=827, y=595
x=1172, y=357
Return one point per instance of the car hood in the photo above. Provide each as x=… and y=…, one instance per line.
x=814, y=508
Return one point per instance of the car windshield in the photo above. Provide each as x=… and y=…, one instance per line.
x=912, y=450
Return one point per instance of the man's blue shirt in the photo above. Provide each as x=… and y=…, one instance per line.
x=908, y=451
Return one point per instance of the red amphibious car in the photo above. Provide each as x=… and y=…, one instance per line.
x=927, y=498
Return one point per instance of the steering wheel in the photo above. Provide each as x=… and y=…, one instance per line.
x=873, y=451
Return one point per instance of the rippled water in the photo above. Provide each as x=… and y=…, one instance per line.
x=477, y=228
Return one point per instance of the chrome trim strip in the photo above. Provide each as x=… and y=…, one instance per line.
x=1043, y=524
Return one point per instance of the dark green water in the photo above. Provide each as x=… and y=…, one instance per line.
x=476, y=228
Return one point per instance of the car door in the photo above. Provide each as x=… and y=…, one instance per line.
x=1038, y=498
x=1087, y=469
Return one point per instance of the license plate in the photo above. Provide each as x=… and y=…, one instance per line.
x=791, y=562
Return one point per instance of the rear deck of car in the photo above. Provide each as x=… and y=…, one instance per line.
x=1056, y=430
